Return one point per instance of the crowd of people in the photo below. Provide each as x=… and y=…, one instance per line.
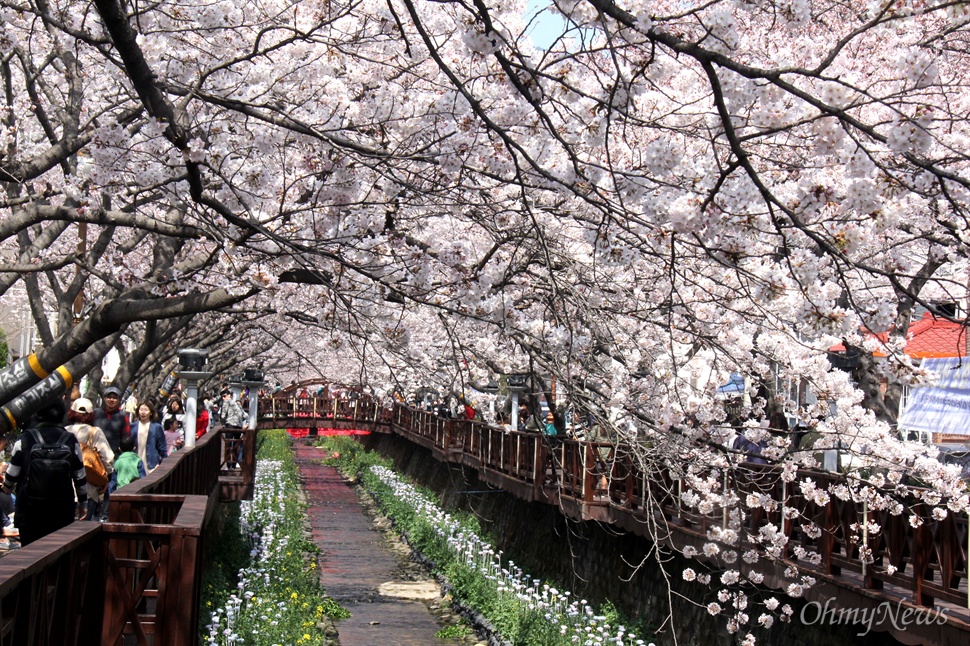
x=73, y=455
x=454, y=408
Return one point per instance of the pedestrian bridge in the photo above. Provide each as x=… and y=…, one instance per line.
x=136, y=578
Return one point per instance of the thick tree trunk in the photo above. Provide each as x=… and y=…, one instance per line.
x=109, y=318
x=866, y=376
x=20, y=408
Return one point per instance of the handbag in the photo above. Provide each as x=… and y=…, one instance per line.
x=94, y=470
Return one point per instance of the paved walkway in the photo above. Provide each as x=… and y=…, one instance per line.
x=359, y=567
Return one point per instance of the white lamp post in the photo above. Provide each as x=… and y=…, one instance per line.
x=235, y=386
x=191, y=364
x=516, y=386
x=253, y=379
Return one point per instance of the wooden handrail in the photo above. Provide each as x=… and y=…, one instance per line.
x=137, y=576
x=52, y=591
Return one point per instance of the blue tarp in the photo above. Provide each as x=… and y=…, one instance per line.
x=735, y=386
x=945, y=407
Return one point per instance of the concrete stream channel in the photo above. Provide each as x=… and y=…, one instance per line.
x=366, y=568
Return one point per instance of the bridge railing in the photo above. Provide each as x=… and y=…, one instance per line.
x=154, y=569
x=314, y=410
x=136, y=578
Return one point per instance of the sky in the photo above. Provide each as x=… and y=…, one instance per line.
x=547, y=27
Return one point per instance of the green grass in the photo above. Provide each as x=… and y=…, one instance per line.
x=457, y=631
x=348, y=456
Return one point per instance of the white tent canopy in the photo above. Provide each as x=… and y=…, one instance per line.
x=945, y=407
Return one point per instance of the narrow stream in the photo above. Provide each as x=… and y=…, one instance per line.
x=391, y=599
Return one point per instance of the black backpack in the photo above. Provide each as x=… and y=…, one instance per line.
x=49, y=474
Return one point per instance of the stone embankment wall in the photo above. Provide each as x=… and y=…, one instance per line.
x=598, y=562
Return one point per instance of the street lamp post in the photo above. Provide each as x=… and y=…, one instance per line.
x=253, y=379
x=191, y=364
x=236, y=386
x=516, y=386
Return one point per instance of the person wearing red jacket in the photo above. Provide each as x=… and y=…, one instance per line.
x=201, y=422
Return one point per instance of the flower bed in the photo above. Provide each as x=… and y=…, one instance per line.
x=277, y=597
x=522, y=609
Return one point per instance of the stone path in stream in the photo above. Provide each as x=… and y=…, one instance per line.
x=391, y=599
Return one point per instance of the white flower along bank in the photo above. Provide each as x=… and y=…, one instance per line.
x=277, y=599
x=574, y=619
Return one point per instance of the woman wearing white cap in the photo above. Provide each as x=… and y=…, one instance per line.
x=81, y=417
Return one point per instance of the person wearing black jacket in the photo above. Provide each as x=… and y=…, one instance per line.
x=111, y=419
x=33, y=519
x=114, y=423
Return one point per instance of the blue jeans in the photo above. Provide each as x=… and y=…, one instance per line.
x=94, y=510
x=234, y=448
x=112, y=485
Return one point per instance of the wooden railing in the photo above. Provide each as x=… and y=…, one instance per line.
x=137, y=577
x=606, y=482
x=318, y=412
x=52, y=591
x=204, y=470
x=154, y=567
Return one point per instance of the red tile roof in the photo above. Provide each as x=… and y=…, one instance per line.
x=928, y=338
